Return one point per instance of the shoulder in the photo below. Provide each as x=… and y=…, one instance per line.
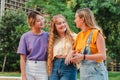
x=45, y=33
x=25, y=35
x=79, y=34
x=74, y=35
x=97, y=33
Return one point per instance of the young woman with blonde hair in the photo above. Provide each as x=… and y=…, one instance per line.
x=60, y=47
x=92, y=57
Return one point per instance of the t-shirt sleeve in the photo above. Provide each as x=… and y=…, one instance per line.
x=22, y=48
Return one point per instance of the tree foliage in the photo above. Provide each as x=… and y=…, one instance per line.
x=10, y=33
x=54, y=7
x=8, y=24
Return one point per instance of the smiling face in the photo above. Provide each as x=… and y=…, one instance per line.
x=60, y=25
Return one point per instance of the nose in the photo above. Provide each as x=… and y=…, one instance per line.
x=42, y=21
x=63, y=24
x=74, y=21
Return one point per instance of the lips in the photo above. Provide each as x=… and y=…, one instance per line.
x=63, y=28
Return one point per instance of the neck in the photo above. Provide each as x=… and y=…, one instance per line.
x=85, y=28
x=62, y=35
x=36, y=31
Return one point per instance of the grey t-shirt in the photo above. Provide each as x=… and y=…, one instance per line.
x=34, y=46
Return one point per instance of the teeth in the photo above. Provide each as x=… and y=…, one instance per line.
x=64, y=29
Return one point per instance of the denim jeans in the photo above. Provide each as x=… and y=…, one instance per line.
x=61, y=71
x=91, y=70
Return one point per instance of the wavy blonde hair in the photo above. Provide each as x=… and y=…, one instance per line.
x=89, y=18
x=53, y=35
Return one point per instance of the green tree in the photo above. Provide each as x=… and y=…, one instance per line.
x=8, y=37
x=53, y=7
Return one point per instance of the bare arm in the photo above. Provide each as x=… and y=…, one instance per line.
x=101, y=50
x=101, y=55
x=22, y=66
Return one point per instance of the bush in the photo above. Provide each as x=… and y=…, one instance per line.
x=12, y=25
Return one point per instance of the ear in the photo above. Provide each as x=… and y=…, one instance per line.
x=82, y=19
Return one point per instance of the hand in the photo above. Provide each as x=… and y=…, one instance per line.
x=77, y=57
x=68, y=59
x=24, y=78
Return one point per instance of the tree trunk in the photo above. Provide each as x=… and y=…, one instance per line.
x=3, y=66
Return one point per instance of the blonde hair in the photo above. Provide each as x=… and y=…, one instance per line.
x=53, y=35
x=32, y=17
x=89, y=18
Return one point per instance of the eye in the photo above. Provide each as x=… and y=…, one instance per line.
x=38, y=20
x=64, y=22
x=42, y=18
x=59, y=23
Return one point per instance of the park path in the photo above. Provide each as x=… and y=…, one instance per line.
x=9, y=78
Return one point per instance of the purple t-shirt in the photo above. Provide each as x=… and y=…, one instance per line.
x=34, y=46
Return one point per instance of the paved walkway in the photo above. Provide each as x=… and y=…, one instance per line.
x=9, y=78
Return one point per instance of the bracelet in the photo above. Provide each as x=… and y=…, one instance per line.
x=84, y=57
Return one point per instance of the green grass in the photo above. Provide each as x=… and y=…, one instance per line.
x=17, y=74
x=112, y=75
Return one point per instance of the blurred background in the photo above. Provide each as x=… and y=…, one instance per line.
x=13, y=24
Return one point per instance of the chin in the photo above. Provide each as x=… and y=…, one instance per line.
x=77, y=26
x=62, y=31
x=41, y=26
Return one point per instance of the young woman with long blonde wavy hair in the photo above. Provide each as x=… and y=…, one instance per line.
x=60, y=47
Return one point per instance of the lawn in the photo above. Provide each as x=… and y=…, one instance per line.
x=112, y=75
x=16, y=74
